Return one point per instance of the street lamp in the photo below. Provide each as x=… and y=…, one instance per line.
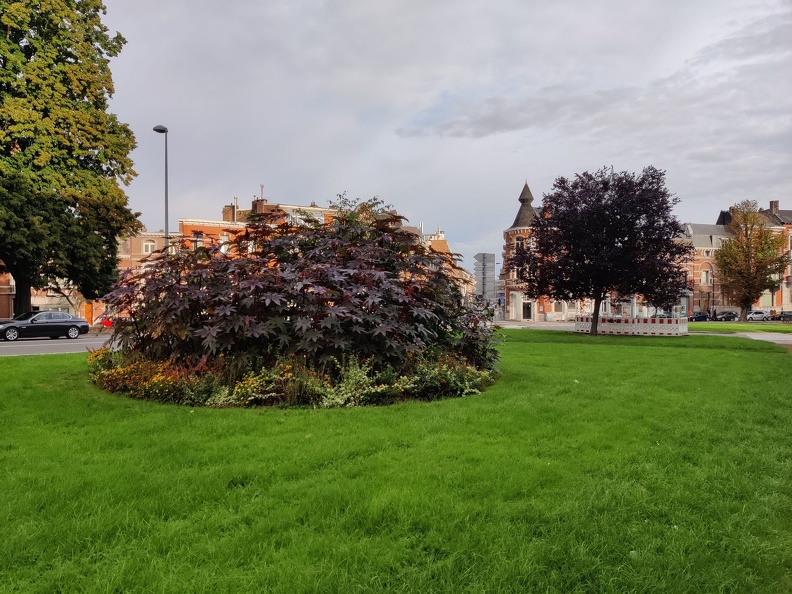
x=160, y=129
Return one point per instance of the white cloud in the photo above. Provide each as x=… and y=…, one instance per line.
x=444, y=108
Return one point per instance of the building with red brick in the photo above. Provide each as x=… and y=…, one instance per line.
x=7, y=292
x=516, y=305
x=705, y=292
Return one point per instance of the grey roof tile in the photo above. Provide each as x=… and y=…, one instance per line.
x=784, y=216
x=527, y=212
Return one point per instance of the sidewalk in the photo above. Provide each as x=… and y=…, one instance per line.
x=570, y=325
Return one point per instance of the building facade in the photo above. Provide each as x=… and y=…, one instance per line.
x=705, y=294
x=7, y=292
x=705, y=291
x=516, y=305
x=781, y=300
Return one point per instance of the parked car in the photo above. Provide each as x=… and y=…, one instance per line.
x=727, y=316
x=699, y=316
x=785, y=316
x=758, y=315
x=43, y=323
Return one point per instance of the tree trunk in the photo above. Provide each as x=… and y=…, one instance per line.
x=595, y=319
x=22, y=296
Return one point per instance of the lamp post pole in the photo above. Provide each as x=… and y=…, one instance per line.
x=160, y=129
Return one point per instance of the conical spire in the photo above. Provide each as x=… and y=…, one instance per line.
x=525, y=195
x=526, y=213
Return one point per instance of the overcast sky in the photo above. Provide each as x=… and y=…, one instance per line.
x=445, y=108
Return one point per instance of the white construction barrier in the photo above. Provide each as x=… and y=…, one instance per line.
x=634, y=326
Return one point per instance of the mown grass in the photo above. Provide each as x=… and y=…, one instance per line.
x=613, y=464
x=734, y=327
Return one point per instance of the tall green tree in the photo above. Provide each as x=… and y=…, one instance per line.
x=750, y=261
x=63, y=157
x=603, y=234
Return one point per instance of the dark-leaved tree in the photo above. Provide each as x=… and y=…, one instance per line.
x=602, y=234
x=358, y=286
x=63, y=156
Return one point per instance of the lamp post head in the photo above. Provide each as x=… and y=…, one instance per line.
x=160, y=129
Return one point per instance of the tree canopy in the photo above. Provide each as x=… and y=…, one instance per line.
x=63, y=157
x=751, y=259
x=602, y=234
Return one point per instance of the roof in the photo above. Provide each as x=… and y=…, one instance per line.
x=701, y=229
x=704, y=236
x=527, y=213
x=784, y=216
x=412, y=229
x=725, y=217
x=440, y=245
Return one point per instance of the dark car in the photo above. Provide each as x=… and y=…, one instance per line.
x=784, y=316
x=700, y=316
x=727, y=316
x=43, y=323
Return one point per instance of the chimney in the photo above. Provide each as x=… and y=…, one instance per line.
x=258, y=206
x=773, y=207
x=229, y=213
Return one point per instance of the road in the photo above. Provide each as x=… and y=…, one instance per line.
x=47, y=346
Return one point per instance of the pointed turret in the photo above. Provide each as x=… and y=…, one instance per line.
x=526, y=213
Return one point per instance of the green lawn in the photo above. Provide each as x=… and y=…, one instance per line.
x=608, y=464
x=733, y=327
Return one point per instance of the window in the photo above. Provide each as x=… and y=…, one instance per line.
x=519, y=242
x=197, y=239
x=224, y=239
x=149, y=246
x=706, y=277
x=297, y=218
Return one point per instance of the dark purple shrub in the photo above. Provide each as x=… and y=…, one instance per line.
x=359, y=286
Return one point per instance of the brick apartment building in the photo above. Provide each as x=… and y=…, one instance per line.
x=134, y=250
